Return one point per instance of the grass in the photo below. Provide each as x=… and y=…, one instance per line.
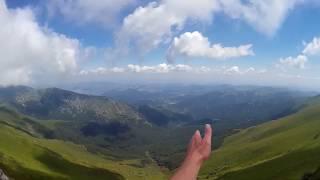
x=24, y=156
x=282, y=149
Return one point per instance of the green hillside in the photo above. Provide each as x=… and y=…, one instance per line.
x=125, y=148
x=54, y=103
x=28, y=156
x=288, y=148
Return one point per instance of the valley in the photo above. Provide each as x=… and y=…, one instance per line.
x=29, y=156
x=159, y=90
x=64, y=132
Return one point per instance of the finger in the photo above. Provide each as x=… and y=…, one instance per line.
x=193, y=141
x=208, y=134
x=197, y=138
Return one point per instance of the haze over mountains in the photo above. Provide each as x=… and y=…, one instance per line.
x=141, y=132
x=115, y=89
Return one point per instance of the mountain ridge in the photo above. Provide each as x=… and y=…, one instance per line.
x=55, y=103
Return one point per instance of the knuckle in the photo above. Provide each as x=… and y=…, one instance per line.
x=207, y=143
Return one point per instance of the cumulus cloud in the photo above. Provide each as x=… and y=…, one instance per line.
x=312, y=48
x=30, y=53
x=161, y=68
x=236, y=70
x=102, y=12
x=170, y=68
x=134, y=68
x=266, y=16
x=195, y=45
x=102, y=71
x=149, y=26
x=233, y=70
x=296, y=62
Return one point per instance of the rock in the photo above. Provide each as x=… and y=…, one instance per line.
x=3, y=176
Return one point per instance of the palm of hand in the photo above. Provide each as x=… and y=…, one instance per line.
x=200, y=147
x=198, y=151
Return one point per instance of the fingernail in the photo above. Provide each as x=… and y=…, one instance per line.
x=208, y=126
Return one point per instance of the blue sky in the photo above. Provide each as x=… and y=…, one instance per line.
x=274, y=42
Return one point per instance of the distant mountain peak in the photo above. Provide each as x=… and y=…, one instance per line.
x=55, y=103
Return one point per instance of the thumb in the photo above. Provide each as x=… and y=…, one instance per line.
x=208, y=135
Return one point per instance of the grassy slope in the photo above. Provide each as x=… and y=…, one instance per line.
x=23, y=156
x=283, y=149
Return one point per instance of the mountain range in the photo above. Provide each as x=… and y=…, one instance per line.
x=58, y=134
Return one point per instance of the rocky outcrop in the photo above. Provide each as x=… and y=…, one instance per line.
x=3, y=176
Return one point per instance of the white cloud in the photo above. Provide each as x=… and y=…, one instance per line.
x=195, y=9
x=235, y=70
x=265, y=16
x=194, y=44
x=203, y=69
x=30, y=53
x=296, y=62
x=101, y=71
x=157, y=69
x=312, y=48
x=170, y=68
x=147, y=27
x=251, y=69
x=101, y=12
x=161, y=68
x=150, y=26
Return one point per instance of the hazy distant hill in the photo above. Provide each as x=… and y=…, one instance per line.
x=242, y=104
x=247, y=103
x=158, y=95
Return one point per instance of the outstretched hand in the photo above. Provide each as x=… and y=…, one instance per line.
x=199, y=150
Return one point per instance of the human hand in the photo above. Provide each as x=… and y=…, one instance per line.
x=199, y=150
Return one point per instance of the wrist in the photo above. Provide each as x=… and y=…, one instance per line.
x=194, y=161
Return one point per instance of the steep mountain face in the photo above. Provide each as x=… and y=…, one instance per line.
x=59, y=104
x=284, y=149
